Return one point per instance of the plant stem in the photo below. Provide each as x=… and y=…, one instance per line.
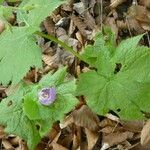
x=64, y=45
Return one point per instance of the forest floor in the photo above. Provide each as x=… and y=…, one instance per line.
x=75, y=23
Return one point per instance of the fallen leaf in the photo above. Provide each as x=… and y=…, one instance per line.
x=145, y=3
x=6, y=144
x=57, y=146
x=2, y=133
x=80, y=24
x=145, y=134
x=84, y=117
x=92, y=138
x=133, y=126
x=49, y=25
x=115, y=3
x=107, y=122
x=116, y=138
x=109, y=129
x=138, y=18
x=89, y=20
x=66, y=7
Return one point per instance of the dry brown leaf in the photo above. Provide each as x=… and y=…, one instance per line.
x=80, y=38
x=15, y=140
x=115, y=3
x=121, y=24
x=22, y=146
x=116, y=138
x=138, y=146
x=2, y=133
x=80, y=24
x=134, y=26
x=89, y=20
x=86, y=118
x=71, y=28
x=145, y=134
x=32, y=76
x=54, y=133
x=49, y=26
x=110, y=129
x=66, y=7
x=138, y=18
x=49, y=60
x=54, y=140
x=47, y=49
x=57, y=146
x=40, y=146
x=143, y=17
x=92, y=138
x=83, y=146
x=133, y=126
x=145, y=3
x=6, y=144
x=75, y=143
x=66, y=137
x=107, y=122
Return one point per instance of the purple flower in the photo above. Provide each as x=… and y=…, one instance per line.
x=47, y=96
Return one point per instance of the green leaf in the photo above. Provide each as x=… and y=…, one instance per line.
x=15, y=120
x=124, y=89
x=99, y=54
x=1, y=1
x=136, y=65
x=17, y=54
x=55, y=79
x=31, y=108
x=126, y=48
x=5, y=13
x=45, y=116
x=35, y=14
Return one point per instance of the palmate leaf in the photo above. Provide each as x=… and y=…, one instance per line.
x=37, y=11
x=18, y=52
x=22, y=114
x=45, y=116
x=124, y=90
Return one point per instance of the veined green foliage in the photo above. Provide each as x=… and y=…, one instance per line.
x=121, y=81
x=18, y=50
x=22, y=112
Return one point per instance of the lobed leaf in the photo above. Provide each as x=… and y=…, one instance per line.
x=25, y=116
x=17, y=54
x=34, y=14
x=121, y=81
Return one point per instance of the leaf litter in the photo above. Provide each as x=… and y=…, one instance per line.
x=74, y=23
